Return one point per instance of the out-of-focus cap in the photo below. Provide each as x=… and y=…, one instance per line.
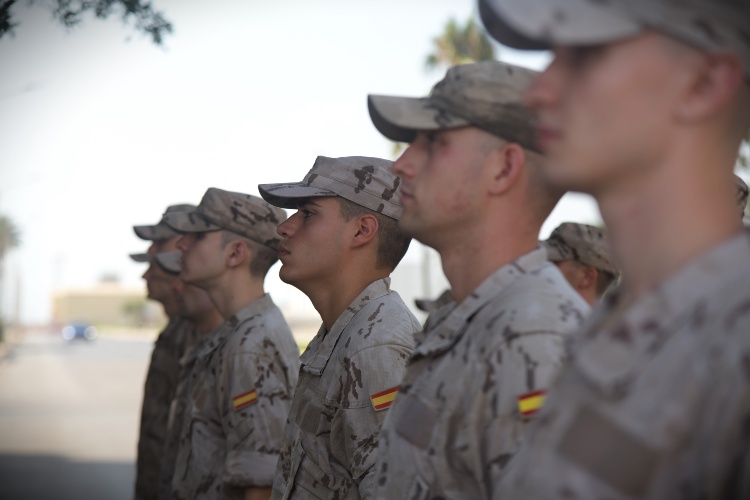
x=242, y=214
x=160, y=230
x=169, y=261
x=539, y=24
x=487, y=95
x=583, y=243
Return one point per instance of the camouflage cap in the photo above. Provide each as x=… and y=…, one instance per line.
x=583, y=243
x=242, y=214
x=539, y=24
x=169, y=261
x=141, y=257
x=486, y=95
x=742, y=193
x=160, y=230
x=368, y=182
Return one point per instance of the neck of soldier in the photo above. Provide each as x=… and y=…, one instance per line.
x=208, y=322
x=472, y=252
x=660, y=219
x=332, y=296
x=234, y=290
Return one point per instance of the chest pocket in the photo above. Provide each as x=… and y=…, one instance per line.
x=416, y=421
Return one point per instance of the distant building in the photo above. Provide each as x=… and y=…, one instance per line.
x=107, y=304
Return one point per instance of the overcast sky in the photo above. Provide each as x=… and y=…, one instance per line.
x=101, y=129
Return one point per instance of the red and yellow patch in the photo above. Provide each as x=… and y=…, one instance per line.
x=384, y=399
x=243, y=400
x=531, y=402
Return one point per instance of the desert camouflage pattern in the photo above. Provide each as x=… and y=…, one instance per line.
x=656, y=401
x=582, y=243
x=331, y=438
x=456, y=425
x=363, y=180
x=160, y=230
x=742, y=193
x=242, y=214
x=487, y=95
x=179, y=416
x=160, y=388
x=225, y=447
x=536, y=24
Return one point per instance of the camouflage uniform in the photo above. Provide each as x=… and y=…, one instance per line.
x=159, y=390
x=178, y=416
x=240, y=389
x=350, y=374
x=484, y=364
x=474, y=381
x=656, y=401
x=331, y=438
x=162, y=377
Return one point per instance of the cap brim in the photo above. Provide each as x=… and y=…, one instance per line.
x=189, y=222
x=400, y=118
x=140, y=257
x=553, y=252
x=540, y=24
x=286, y=195
x=154, y=232
x=169, y=261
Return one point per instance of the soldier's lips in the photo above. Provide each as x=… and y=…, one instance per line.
x=546, y=136
x=283, y=252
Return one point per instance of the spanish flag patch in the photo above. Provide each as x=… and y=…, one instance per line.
x=530, y=403
x=384, y=399
x=243, y=400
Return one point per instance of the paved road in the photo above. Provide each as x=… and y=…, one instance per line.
x=69, y=418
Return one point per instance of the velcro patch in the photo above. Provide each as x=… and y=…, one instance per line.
x=243, y=400
x=384, y=399
x=531, y=402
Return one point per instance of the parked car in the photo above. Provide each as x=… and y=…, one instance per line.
x=78, y=330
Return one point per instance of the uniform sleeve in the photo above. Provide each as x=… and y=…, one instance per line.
x=255, y=407
x=370, y=384
x=518, y=377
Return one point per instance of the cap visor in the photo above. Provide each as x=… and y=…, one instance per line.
x=540, y=24
x=189, y=222
x=140, y=257
x=170, y=261
x=400, y=118
x=287, y=195
x=154, y=233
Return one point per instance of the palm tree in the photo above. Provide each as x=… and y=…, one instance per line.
x=456, y=45
x=10, y=237
x=460, y=44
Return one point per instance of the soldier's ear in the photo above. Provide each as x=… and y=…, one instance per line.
x=237, y=253
x=505, y=165
x=365, y=230
x=712, y=84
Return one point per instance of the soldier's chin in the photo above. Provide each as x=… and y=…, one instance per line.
x=285, y=275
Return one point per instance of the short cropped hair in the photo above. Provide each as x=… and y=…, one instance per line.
x=261, y=256
x=392, y=242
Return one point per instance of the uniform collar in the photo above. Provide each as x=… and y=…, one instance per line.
x=446, y=332
x=315, y=358
x=247, y=313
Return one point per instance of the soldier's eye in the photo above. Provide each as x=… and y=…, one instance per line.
x=305, y=213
